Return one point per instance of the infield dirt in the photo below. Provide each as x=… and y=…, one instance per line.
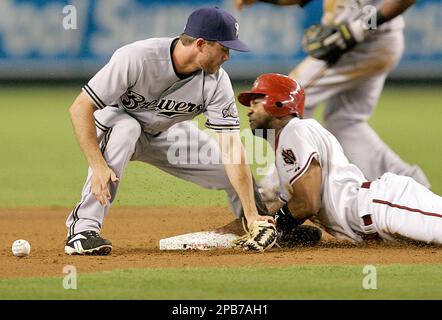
x=135, y=233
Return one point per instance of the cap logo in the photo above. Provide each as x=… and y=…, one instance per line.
x=237, y=29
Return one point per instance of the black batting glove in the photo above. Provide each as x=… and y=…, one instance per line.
x=284, y=220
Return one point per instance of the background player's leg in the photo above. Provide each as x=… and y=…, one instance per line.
x=191, y=154
x=352, y=88
x=375, y=56
x=404, y=208
x=117, y=133
x=346, y=116
x=329, y=81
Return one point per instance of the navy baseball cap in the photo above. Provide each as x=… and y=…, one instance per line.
x=215, y=24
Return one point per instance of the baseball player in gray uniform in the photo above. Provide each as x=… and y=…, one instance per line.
x=147, y=91
x=350, y=55
x=319, y=183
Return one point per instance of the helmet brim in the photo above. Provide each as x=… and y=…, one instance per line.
x=246, y=97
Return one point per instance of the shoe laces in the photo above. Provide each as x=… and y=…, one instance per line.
x=92, y=234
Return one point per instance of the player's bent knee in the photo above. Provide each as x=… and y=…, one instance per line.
x=130, y=129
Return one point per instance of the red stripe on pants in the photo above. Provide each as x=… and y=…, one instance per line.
x=407, y=208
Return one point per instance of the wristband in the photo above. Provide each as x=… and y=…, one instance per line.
x=284, y=215
x=380, y=18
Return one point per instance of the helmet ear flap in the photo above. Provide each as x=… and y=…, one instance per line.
x=270, y=105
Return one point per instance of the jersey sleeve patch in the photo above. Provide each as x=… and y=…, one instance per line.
x=288, y=156
x=230, y=111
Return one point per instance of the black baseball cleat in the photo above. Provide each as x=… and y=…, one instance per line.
x=89, y=243
x=302, y=235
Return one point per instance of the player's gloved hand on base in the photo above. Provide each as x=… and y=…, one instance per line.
x=260, y=236
x=292, y=233
x=329, y=43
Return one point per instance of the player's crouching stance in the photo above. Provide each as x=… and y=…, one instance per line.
x=319, y=183
x=151, y=88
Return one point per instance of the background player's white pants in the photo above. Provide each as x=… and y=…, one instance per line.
x=402, y=208
x=351, y=90
x=122, y=140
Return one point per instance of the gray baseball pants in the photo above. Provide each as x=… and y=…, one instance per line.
x=122, y=140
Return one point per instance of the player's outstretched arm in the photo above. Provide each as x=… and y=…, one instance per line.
x=238, y=171
x=81, y=113
x=390, y=9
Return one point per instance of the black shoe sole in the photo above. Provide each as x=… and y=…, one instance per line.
x=100, y=251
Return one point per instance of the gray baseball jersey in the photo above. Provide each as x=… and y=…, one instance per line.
x=140, y=79
x=142, y=101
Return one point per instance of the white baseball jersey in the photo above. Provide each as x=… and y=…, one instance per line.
x=300, y=142
x=140, y=79
x=399, y=206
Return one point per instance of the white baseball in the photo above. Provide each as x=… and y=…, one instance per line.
x=21, y=248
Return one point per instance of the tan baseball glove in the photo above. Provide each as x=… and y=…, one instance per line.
x=261, y=236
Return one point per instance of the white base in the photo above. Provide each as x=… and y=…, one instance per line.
x=205, y=240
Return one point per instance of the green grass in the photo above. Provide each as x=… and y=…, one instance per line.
x=282, y=283
x=42, y=165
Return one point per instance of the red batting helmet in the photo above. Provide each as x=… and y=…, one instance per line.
x=282, y=95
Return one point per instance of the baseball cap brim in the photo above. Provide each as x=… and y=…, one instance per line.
x=236, y=45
